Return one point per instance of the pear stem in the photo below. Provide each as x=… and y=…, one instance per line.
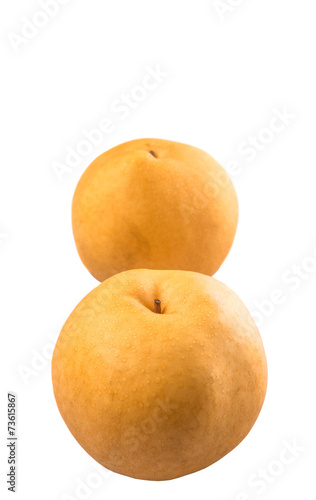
x=157, y=306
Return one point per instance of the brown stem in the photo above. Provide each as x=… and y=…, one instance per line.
x=153, y=153
x=157, y=306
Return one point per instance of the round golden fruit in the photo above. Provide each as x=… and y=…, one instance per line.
x=159, y=374
x=154, y=204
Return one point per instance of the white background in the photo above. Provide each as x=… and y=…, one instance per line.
x=226, y=77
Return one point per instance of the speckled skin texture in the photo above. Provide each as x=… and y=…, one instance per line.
x=154, y=204
x=157, y=396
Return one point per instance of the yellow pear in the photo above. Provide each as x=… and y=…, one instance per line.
x=159, y=374
x=154, y=204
